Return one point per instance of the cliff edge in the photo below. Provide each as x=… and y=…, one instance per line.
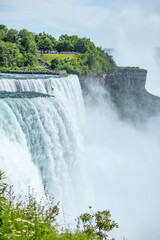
x=126, y=87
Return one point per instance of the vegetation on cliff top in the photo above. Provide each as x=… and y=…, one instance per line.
x=48, y=57
x=23, y=48
x=31, y=220
x=87, y=63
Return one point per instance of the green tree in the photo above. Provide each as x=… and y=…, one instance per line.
x=10, y=55
x=12, y=36
x=29, y=59
x=28, y=47
x=45, y=44
x=72, y=38
x=65, y=45
x=27, y=41
x=84, y=45
x=97, y=224
x=40, y=38
x=55, y=63
x=3, y=31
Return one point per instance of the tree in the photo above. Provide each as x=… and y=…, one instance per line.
x=72, y=38
x=11, y=36
x=10, y=55
x=28, y=47
x=27, y=41
x=54, y=63
x=65, y=45
x=84, y=45
x=45, y=44
x=29, y=59
x=41, y=43
x=3, y=31
x=97, y=224
x=63, y=37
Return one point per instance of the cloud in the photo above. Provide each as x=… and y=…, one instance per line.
x=71, y=15
x=131, y=27
x=135, y=34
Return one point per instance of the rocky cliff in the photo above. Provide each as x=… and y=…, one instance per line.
x=127, y=91
x=127, y=79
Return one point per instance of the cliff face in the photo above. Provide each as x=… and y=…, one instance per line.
x=127, y=79
x=127, y=91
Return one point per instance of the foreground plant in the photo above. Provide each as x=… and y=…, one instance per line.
x=25, y=220
x=37, y=220
x=97, y=224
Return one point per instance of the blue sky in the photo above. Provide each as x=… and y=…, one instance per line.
x=101, y=20
x=109, y=23
x=56, y=17
x=131, y=27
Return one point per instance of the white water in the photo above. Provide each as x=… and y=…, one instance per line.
x=118, y=170
x=40, y=140
x=67, y=90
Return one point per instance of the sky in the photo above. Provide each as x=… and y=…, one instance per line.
x=131, y=27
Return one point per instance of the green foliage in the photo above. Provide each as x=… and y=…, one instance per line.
x=25, y=220
x=38, y=220
x=48, y=57
x=30, y=70
x=72, y=38
x=97, y=224
x=55, y=63
x=74, y=43
x=45, y=44
x=27, y=42
x=3, y=31
x=10, y=55
x=17, y=48
x=84, y=45
x=29, y=59
x=65, y=45
x=87, y=63
x=24, y=52
x=11, y=36
x=129, y=68
x=45, y=41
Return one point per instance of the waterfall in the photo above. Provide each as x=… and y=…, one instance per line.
x=67, y=89
x=40, y=139
x=41, y=122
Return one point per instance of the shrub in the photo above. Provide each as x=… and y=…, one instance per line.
x=30, y=220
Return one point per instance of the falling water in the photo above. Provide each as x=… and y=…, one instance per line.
x=41, y=133
x=118, y=169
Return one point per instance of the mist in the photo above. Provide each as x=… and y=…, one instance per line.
x=132, y=30
x=122, y=169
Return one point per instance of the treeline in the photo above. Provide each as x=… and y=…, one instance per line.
x=21, y=48
x=17, y=48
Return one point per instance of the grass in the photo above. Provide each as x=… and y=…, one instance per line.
x=48, y=57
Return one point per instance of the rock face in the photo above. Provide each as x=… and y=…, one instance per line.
x=127, y=91
x=100, y=79
x=126, y=79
